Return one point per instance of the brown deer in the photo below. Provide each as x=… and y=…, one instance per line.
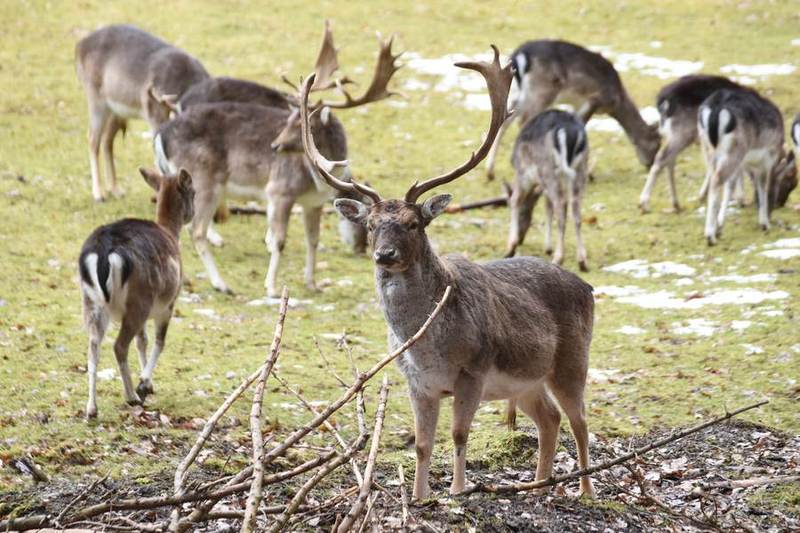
x=130, y=272
x=677, y=105
x=547, y=71
x=741, y=132
x=254, y=151
x=516, y=328
x=551, y=157
x=126, y=72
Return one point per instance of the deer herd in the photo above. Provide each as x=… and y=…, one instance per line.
x=517, y=328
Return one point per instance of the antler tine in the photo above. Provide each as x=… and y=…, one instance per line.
x=323, y=165
x=327, y=62
x=498, y=81
x=378, y=87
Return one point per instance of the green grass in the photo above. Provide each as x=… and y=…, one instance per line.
x=47, y=215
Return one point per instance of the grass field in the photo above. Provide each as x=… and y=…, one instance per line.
x=655, y=375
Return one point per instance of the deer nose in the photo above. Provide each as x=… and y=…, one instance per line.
x=386, y=255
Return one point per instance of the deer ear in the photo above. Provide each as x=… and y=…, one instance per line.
x=435, y=205
x=352, y=210
x=152, y=178
x=184, y=179
x=325, y=115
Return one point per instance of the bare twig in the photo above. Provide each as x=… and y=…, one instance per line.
x=254, y=498
x=366, y=485
x=403, y=495
x=519, y=487
x=330, y=427
x=327, y=363
x=76, y=499
x=367, y=514
x=354, y=447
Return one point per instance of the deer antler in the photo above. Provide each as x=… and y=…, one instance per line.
x=327, y=63
x=498, y=81
x=323, y=165
x=378, y=87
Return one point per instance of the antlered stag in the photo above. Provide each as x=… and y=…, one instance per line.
x=254, y=151
x=130, y=272
x=126, y=73
x=517, y=328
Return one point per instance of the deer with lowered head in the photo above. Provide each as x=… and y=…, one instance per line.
x=548, y=71
x=550, y=158
x=127, y=73
x=741, y=132
x=255, y=152
x=677, y=105
x=517, y=328
x=130, y=272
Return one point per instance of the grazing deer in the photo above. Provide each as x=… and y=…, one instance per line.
x=130, y=272
x=548, y=71
x=550, y=157
x=255, y=152
x=677, y=105
x=516, y=328
x=223, y=89
x=740, y=131
x=125, y=73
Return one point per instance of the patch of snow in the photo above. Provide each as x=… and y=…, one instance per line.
x=107, y=374
x=292, y=303
x=209, y=313
x=325, y=308
x=669, y=300
x=772, y=312
x=795, y=42
x=639, y=268
x=736, y=278
x=793, y=242
x=399, y=104
x=781, y=253
x=683, y=282
x=452, y=77
x=795, y=348
x=695, y=326
x=740, y=325
x=656, y=44
x=413, y=84
x=630, y=330
x=647, y=65
x=477, y=102
x=752, y=349
x=761, y=72
x=616, y=292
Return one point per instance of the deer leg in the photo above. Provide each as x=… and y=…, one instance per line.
x=709, y=159
x=466, y=398
x=762, y=186
x=96, y=320
x=426, y=414
x=99, y=116
x=131, y=325
x=146, y=378
x=576, y=218
x=548, y=230
x=141, y=347
x=561, y=213
x=113, y=125
x=205, y=204
x=279, y=209
x=727, y=190
x=712, y=208
x=673, y=191
x=311, y=220
x=214, y=238
x=739, y=195
x=570, y=398
x=511, y=414
x=541, y=409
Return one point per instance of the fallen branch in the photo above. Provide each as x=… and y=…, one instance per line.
x=519, y=487
x=369, y=471
x=403, y=496
x=752, y=482
x=498, y=201
x=254, y=498
x=76, y=499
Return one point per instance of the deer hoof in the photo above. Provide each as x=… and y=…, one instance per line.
x=644, y=209
x=144, y=389
x=764, y=227
x=711, y=241
x=91, y=413
x=134, y=402
x=583, y=266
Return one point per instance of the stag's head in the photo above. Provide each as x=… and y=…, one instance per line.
x=396, y=227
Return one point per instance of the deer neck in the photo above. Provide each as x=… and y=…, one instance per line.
x=636, y=129
x=169, y=218
x=407, y=298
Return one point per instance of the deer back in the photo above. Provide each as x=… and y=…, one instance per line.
x=223, y=89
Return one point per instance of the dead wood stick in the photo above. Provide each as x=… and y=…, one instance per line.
x=254, y=498
x=246, y=210
x=751, y=482
x=356, y=446
x=366, y=486
x=367, y=514
x=419, y=521
x=76, y=499
x=519, y=487
x=498, y=201
x=403, y=495
x=330, y=427
x=328, y=365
